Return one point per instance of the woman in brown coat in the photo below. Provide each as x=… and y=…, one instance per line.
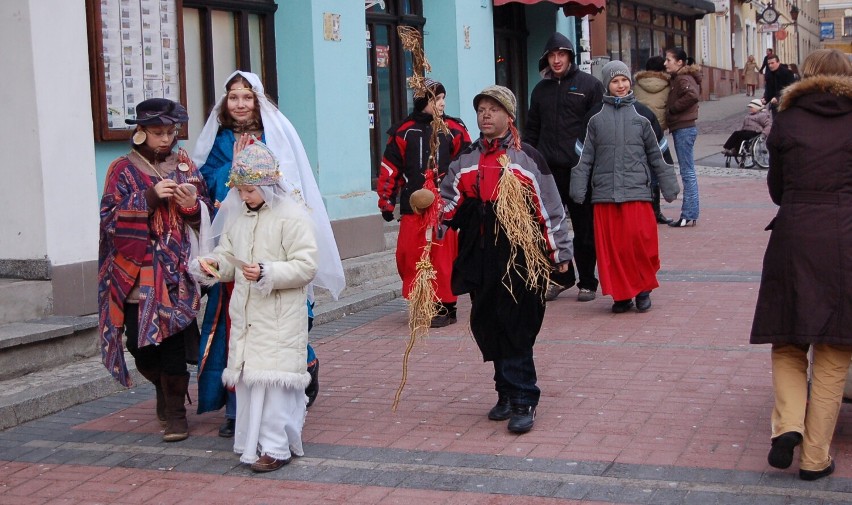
x=804, y=299
x=750, y=74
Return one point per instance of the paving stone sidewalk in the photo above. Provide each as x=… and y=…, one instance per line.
x=667, y=407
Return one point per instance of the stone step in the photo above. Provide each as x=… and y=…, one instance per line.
x=22, y=300
x=34, y=345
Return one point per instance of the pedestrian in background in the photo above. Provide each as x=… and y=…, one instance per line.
x=757, y=121
x=651, y=89
x=558, y=104
x=622, y=145
x=268, y=249
x=507, y=305
x=750, y=75
x=804, y=300
x=778, y=77
x=153, y=205
x=404, y=171
x=681, y=115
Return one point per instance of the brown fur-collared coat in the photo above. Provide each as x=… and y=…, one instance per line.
x=806, y=286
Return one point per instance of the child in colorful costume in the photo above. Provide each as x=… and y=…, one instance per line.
x=153, y=205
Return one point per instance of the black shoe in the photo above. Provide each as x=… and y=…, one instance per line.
x=313, y=387
x=523, y=418
x=683, y=222
x=227, y=428
x=443, y=320
x=501, y=411
x=643, y=301
x=817, y=474
x=622, y=306
x=781, y=453
x=661, y=219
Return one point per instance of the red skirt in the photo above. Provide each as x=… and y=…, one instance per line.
x=409, y=247
x=627, y=248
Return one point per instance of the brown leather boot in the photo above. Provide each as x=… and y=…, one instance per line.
x=153, y=375
x=174, y=389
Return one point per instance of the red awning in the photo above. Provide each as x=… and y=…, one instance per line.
x=577, y=8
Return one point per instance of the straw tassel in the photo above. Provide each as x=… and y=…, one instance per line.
x=423, y=298
x=522, y=230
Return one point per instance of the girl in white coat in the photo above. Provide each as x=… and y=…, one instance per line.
x=268, y=248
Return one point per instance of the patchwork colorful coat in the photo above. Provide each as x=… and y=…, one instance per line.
x=149, y=247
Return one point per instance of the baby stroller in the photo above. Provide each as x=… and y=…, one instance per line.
x=751, y=151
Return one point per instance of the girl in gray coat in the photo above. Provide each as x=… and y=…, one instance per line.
x=622, y=145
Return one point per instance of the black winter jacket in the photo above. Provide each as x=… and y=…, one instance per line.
x=557, y=109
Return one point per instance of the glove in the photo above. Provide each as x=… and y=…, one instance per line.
x=387, y=215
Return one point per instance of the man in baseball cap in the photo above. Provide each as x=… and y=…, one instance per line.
x=504, y=261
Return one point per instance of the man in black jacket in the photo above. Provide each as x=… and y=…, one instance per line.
x=778, y=78
x=558, y=104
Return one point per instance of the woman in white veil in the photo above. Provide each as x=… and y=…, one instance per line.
x=278, y=133
x=213, y=153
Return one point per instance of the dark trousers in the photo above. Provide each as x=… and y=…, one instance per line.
x=582, y=222
x=515, y=378
x=584, y=245
x=738, y=137
x=169, y=356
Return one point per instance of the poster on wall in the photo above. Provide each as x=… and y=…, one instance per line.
x=135, y=53
x=382, y=55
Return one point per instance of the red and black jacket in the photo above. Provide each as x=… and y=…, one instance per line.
x=406, y=156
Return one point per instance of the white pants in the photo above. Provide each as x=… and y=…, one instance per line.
x=269, y=421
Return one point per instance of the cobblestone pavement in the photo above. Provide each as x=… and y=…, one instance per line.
x=667, y=407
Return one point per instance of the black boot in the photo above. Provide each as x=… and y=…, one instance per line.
x=502, y=410
x=174, y=389
x=446, y=315
x=655, y=203
x=228, y=428
x=153, y=375
x=313, y=388
x=523, y=418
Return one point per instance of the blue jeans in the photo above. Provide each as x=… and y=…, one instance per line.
x=515, y=377
x=684, y=141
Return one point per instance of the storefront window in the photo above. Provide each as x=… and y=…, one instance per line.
x=613, y=46
x=628, y=45
x=643, y=15
x=644, y=42
x=659, y=19
x=627, y=12
x=388, y=67
x=660, y=43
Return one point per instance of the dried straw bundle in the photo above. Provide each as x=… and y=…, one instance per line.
x=423, y=298
x=523, y=231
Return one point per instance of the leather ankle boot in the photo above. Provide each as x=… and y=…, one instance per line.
x=174, y=389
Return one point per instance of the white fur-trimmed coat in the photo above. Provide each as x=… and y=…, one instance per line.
x=269, y=318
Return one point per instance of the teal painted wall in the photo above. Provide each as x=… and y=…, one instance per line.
x=541, y=23
x=465, y=71
x=323, y=91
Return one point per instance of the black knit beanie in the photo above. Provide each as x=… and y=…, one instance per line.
x=436, y=87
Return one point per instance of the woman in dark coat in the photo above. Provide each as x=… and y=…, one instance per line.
x=804, y=298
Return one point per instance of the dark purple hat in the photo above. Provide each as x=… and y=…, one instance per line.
x=158, y=111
